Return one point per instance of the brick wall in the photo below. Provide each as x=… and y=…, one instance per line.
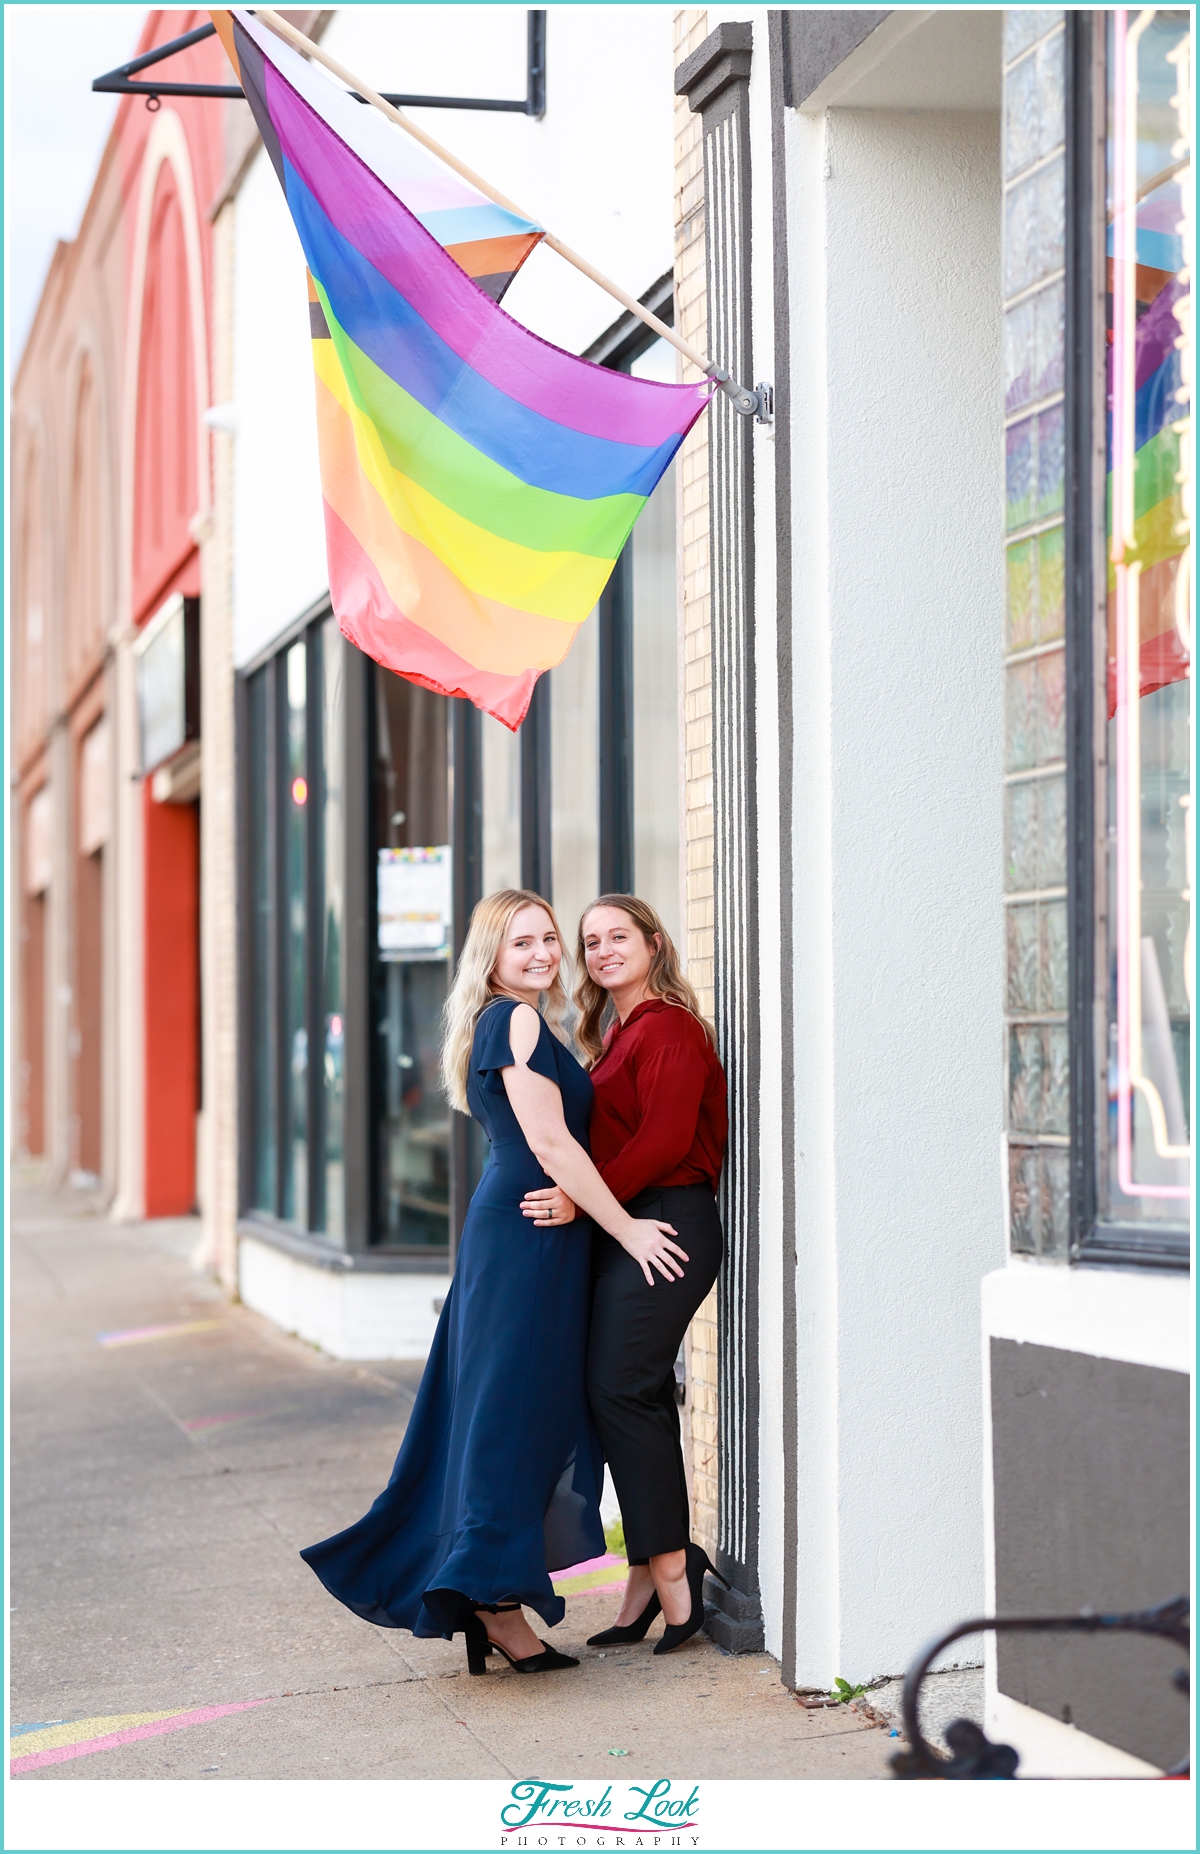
x=691, y=28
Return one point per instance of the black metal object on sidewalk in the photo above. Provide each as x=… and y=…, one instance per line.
x=973, y=1756
x=119, y=82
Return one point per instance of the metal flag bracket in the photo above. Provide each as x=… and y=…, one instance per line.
x=752, y=402
x=120, y=81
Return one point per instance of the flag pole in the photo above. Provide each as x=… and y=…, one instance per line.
x=743, y=398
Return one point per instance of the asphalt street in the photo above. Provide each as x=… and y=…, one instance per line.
x=170, y=1454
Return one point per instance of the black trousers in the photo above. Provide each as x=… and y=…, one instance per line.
x=635, y=1336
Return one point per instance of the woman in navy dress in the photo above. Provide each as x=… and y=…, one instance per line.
x=498, y=1479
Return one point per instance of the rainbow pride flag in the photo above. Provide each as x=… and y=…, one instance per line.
x=479, y=483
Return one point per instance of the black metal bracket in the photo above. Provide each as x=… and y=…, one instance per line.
x=973, y=1756
x=120, y=82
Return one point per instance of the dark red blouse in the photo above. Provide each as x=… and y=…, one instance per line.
x=659, y=1115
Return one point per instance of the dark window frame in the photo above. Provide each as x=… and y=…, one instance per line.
x=1094, y=1241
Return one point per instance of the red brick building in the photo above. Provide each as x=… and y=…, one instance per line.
x=111, y=483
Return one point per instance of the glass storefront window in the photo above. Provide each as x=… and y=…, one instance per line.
x=575, y=780
x=1145, y=1132
x=263, y=1179
x=414, y=939
x=294, y=1205
x=501, y=806
x=333, y=997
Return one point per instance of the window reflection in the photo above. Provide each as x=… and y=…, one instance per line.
x=333, y=1001
x=501, y=806
x=575, y=775
x=294, y=1205
x=1146, y=1133
x=264, y=1160
x=412, y=855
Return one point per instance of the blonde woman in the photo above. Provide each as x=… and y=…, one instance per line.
x=658, y=1132
x=498, y=1479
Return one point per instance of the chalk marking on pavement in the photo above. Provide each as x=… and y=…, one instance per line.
x=139, y=1335
x=238, y=1415
x=608, y=1572
x=202, y=1448
x=59, y=1743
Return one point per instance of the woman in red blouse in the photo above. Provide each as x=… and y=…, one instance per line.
x=657, y=1134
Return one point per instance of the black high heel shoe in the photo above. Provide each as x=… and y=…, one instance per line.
x=627, y=1631
x=480, y=1645
x=677, y=1632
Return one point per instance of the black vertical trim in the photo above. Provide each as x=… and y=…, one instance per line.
x=778, y=49
x=278, y=820
x=615, y=646
x=1081, y=368
x=314, y=896
x=466, y=836
x=466, y=813
x=359, y=1123
x=249, y=1131
x=536, y=870
x=535, y=62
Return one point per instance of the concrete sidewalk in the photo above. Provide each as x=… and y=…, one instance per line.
x=162, y=1485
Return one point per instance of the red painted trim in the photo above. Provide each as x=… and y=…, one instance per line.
x=172, y=863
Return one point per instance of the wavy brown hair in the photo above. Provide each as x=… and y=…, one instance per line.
x=665, y=979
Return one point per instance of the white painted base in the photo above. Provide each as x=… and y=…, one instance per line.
x=348, y=1315
x=1047, y=1747
x=1140, y=1318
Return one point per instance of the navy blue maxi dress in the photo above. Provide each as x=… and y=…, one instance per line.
x=499, y=1476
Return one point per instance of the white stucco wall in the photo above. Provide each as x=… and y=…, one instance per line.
x=278, y=532
x=895, y=239
x=596, y=169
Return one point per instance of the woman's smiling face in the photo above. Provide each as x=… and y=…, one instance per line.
x=530, y=956
x=618, y=954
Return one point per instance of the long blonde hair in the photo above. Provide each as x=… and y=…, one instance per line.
x=665, y=979
x=474, y=987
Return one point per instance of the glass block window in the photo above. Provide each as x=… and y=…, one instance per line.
x=1035, y=841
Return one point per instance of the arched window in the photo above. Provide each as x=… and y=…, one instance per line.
x=33, y=617
x=85, y=617
x=166, y=495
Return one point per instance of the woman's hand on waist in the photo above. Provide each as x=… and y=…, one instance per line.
x=648, y=1241
x=549, y=1207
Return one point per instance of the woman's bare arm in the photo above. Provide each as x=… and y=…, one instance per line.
x=537, y=1104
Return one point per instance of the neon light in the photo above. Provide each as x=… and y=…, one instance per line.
x=1130, y=1074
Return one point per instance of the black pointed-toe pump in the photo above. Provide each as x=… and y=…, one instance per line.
x=627, y=1631
x=480, y=1645
x=676, y=1633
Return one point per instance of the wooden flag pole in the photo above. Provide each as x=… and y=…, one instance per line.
x=743, y=398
